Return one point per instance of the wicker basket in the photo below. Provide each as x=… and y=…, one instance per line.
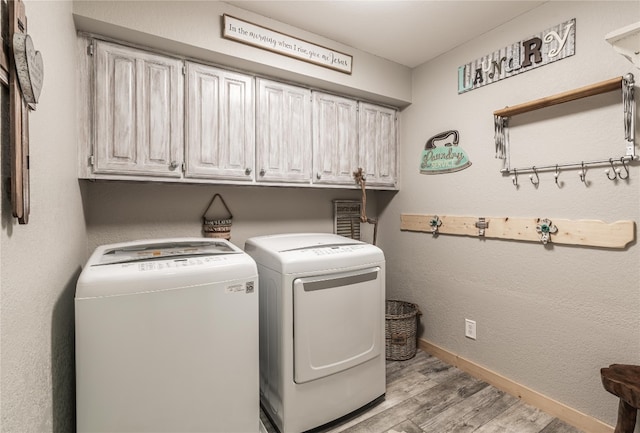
x=401, y=325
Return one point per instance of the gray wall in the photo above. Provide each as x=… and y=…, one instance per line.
x=41, y=261
x=119, y=211
x=547, y=317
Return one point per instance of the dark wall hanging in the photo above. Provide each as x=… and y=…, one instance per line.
x=21, y=69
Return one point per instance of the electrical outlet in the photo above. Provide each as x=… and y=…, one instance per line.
x=470, y=329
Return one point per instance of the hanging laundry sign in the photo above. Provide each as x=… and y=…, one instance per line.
x=443, y=156
x=553, y=44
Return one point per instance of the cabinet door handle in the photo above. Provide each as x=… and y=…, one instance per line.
x=173, y=165
x=247, y=171
x=318, y=175
x=262, y=172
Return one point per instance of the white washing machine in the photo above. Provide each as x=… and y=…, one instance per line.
x=322, y=353
x=167, y=338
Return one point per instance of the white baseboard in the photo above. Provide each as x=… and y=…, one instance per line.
x=552, y=407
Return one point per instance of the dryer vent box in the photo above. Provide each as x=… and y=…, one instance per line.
x=346, y=218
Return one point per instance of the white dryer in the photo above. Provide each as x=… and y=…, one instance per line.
x=322, y=352
x=167, y=338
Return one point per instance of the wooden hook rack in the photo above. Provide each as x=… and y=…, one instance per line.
x=592, y=233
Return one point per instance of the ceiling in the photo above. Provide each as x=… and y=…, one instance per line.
x=406, y=32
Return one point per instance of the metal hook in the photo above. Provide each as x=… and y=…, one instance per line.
x=607, y=171
x=583, y=173
x=514, y=178
x=435, y=222
x=537, y=181
x=625, y=169
x=557, y=173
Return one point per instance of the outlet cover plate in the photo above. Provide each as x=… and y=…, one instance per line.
x=470, y=329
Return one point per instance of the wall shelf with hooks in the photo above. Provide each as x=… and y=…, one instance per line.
x=619, y=164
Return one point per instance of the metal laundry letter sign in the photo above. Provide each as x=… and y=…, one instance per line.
x=553, y=44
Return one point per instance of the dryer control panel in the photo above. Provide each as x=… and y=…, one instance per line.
x=330, y=250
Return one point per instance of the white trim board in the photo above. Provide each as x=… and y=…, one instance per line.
x=552, y=407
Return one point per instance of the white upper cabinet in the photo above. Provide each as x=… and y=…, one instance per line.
x=335, y=139
x=283, y=133
x=146, y=116
x=138, y=112
x=219, y=124
x=378, y=145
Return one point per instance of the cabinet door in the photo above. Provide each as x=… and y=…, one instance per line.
x=138, y=112
x=378, y=145
x=220, y=124
x=335, y=139
x=283, y=133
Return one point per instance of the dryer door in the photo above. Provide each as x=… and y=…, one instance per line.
x=338, y=321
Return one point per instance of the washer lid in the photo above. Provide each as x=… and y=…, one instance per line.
x=158, y=250
x=149, y=266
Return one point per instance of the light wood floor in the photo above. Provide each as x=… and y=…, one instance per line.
x=425, y=395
